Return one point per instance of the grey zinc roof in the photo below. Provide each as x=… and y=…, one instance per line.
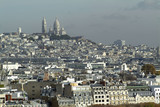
x=141, y=93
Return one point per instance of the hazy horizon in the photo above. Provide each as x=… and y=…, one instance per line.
x=103, y=21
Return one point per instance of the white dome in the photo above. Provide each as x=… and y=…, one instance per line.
x=62, y=31
x=56, y=23
x=56, y=27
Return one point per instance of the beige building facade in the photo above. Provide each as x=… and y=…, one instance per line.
x=110, y=95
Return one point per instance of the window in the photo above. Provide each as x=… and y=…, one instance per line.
x=102, y=100
x=107, y=100
x=99, y=100
x=96, y=100
x=33, y=86
x=102, y=96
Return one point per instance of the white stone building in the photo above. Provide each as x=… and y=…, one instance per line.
x=156, y=93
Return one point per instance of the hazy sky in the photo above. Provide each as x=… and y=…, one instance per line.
x=136, y=21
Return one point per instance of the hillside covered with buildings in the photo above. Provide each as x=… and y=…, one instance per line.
x=52, y=69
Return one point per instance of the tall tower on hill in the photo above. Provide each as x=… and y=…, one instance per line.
x=44, y=26
x=19, y=30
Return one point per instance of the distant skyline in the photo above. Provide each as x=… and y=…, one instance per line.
x=103, y=21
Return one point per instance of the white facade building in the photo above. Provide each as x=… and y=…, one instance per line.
x=95, y=65
x=12, y=77
x=124, y=67
x=82, y=96
x=100, y=95
x=156, y=93
x=11, y=66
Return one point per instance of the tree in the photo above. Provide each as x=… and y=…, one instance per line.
x=148, y=68
x=125, y=76
x=62, y=37
x=31, y=39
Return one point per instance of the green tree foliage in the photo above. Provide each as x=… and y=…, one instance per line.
x=0, y=66
x=1, y=85
x=62, y=37
x=148, y=68
x=31, y=38
x=125, y=76
x=157, y=72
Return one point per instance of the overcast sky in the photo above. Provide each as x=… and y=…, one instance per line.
x=136, y=21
